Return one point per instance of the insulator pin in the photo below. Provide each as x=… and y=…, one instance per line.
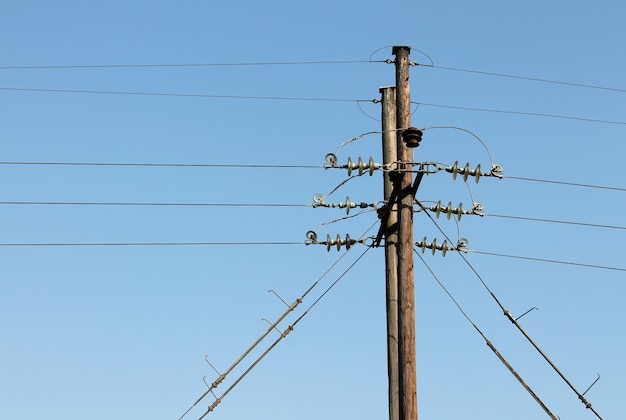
x=330, y=242
x=318, y=201
x=412, y=137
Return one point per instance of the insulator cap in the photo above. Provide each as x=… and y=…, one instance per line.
x=412, y=137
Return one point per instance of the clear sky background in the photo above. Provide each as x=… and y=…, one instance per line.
x=121, y=332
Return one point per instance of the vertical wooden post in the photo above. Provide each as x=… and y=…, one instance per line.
x=406, y=287
x=390, y=153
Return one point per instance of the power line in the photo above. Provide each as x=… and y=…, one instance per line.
x=554, y=221
x=533, y=79
x=603, y=267
x=574, y=184
x=239, y=64
x=168, y=165
x=129, y=244
x=533, y=114
x=183, y=95
x=261, y=166
x=302, y=99
x=112, y=203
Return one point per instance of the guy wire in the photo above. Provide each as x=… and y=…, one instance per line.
x=290, y=327
x=508, y=314
x=265, y=334
x=489, y=344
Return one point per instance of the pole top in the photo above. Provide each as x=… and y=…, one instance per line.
x=384, y=88
x=395, y=49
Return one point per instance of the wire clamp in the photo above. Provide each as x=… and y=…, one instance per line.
x=318, y=201
x=457, y=211
x=434, y=246
x=466, y=171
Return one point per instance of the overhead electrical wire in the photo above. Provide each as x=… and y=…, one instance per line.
x=147, y=204
x=603, y=267
x=301, y=99
x=300, y=63
x=532, y=79
x=235, y=64
x=155, y=204
x=260, y=166
x=533, y=219
x=532, y=114
x=169, y=165
x=133, y=244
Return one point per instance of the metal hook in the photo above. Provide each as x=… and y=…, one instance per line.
x=282, y=300
x=206, y=359
x=272, y=325
x=594, y=382
x=531, y=309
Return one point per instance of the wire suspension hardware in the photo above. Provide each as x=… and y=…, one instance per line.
x=361, y=166
x=444, y=247
x=466, y=172
x=457, y=211
x=318, y=201
x=329, y=242
x=491, y=346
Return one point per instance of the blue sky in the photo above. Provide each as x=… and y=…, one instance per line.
x=102, y=332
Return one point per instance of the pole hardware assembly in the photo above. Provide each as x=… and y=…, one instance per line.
x=361, y=166
x=338, y=242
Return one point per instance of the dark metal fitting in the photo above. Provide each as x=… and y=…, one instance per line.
x=412, y=137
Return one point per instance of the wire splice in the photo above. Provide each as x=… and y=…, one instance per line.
x=338, y=242
x=318, y=201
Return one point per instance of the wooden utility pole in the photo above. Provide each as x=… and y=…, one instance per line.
x=406, y=287
x=390, y=156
